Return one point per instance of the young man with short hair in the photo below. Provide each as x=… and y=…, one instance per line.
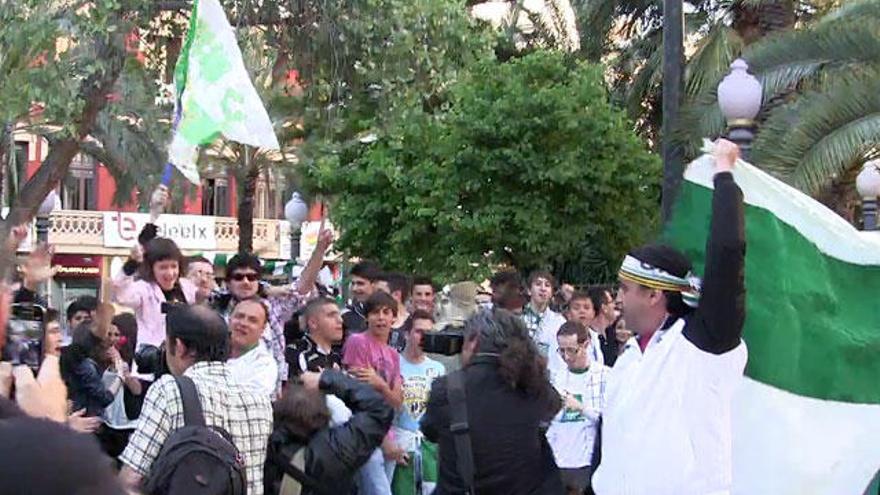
x=368, y=358
x=582, y=310
x=418, y=372
x=507, y=291
x=362, y=277
x=541, y=321
x=423, y=295
x=250, y=362
x=397, y=285
x=602, y=326
x=581, y=384
x=77, y=314
x=197, y=346
x=315, y=350
x=200, y=272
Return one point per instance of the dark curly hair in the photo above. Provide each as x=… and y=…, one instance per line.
x=520, y=364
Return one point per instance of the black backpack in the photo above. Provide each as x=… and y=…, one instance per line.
x=196, y=459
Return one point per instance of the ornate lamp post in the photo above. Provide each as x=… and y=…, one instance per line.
x=868, y=186
x=296, y=211
x=739, y=96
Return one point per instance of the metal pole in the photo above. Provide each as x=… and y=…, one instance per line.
x=869, y=213
x=673, y=75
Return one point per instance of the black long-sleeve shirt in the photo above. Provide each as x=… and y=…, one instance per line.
x=717, y=324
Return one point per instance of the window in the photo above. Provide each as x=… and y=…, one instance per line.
x=79, y=186
x=215, y=197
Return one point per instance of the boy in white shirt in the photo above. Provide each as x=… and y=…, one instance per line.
x=582, y=386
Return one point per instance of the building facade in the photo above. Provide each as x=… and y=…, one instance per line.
x=92, y=236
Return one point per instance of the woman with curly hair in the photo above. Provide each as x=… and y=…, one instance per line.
x=509, y=402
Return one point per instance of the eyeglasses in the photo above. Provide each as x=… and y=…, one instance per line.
x=566, y=351
x=252, y=277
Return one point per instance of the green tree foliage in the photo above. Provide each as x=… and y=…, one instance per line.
x=364, y=62
x=527, y=165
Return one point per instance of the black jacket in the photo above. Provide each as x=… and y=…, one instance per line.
x=511, y=453
x=86, y=389
x=354, y=318
x=333, y=455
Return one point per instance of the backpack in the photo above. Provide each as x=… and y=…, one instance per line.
x=196, y=459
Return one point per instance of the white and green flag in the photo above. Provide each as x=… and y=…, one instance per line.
x=807, y=417
x=215, y=95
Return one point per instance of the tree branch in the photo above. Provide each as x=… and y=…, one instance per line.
x=54, y=168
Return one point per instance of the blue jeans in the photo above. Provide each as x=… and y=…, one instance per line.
x=372, y=477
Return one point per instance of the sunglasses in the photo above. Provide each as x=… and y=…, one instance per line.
x=252, y=277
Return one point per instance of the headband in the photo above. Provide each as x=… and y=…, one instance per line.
x=652, y=277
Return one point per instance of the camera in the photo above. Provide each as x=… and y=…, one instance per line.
x=151, y=360
x=447, y=342
x=24, y=335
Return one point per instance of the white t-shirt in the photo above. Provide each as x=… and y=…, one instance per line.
x=666, y=425
x=256, y=370
x=573, y=432
x=543, y=329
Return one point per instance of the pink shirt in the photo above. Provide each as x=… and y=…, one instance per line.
x=363, y=351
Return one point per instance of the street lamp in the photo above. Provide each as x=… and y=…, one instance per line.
x=50, y=204
x=739, y=96
x=296, y=211
x=868, y=186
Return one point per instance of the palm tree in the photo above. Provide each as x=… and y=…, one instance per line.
x=821, y=116
x=816, y=60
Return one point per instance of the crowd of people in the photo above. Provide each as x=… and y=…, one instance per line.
x=406, y=389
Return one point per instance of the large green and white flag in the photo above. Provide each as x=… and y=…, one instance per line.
x=215, y=95
x=807, y=417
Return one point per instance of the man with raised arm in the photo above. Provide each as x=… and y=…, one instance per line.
x=666, y=425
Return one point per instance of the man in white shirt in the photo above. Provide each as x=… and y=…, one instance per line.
x=250, y=362
x=581, y=384
x=543, y=322
x=666, y=428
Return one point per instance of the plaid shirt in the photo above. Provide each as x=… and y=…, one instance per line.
x=246, y=416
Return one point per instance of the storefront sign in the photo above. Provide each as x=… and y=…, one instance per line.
x=188, y=231
x=76, y=266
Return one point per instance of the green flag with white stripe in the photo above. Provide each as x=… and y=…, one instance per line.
x=807, y=417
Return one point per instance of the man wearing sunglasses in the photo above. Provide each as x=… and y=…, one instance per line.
x=243, y=277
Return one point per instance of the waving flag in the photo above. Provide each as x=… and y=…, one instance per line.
x=215, y=95
x=807, y=417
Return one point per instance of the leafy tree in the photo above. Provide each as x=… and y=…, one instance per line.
x=76, y=58
x=528, y=165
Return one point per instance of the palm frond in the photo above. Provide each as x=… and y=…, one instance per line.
x=712, y=59
x=783, y=61
x=645, y=78
x=852, y=10
x=821, y=134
